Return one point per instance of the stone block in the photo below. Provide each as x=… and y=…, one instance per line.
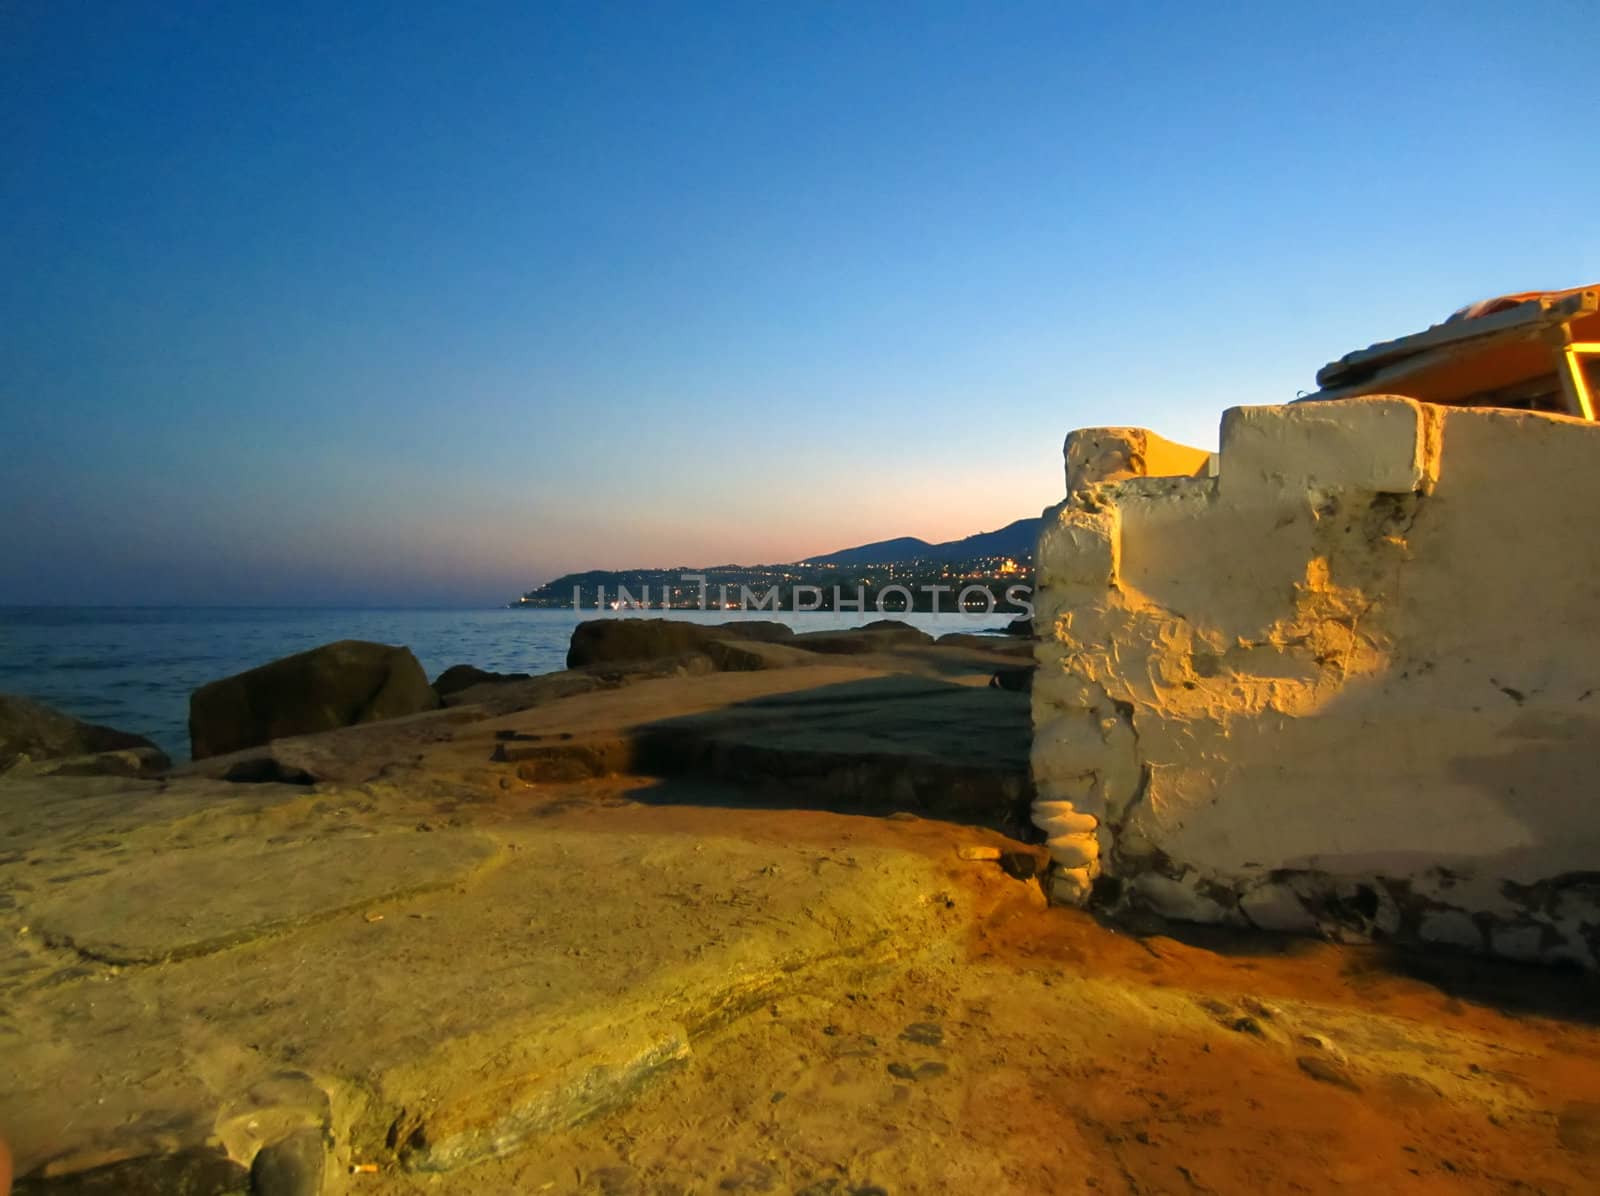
x=1111, y=454
x=1070, y=886
x=1074, y=851
x=1373, y=444
x=1078, y=548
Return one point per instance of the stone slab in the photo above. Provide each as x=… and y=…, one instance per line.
x=432, y=995
x=194, y=902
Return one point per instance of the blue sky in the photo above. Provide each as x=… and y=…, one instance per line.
x=402, y=303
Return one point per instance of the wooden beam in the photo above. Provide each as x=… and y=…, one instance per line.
x=1390, y=378
x=1531, y=317
x=1573, y=383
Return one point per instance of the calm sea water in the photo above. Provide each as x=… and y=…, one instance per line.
x=133, y=668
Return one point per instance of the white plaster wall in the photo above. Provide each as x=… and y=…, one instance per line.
x=1350, y=683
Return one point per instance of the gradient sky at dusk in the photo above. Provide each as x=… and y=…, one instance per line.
x=393, y=303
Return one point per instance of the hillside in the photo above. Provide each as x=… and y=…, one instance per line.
x=1014, y=540
x=871, y=565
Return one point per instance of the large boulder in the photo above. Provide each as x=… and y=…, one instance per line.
x=336, y=685
x=608, y=641
x=898, y=629
x=881, y=635
x=605, y=641
x=744, y=656
x=464, y=676
x=33, y=731
x=765, y=630
x=1004, y=645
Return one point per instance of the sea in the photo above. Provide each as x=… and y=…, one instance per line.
x=133, y=668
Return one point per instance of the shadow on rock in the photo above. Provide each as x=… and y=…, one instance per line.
x=879, y=745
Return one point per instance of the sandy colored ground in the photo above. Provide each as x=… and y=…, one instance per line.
x=1045, y=1051
x=469, y=981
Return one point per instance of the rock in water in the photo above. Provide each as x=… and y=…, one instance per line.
x=877, y=636
x=1005, y=645
x=336, y=685
x=31, y=729
x=735, y=646
x=464, y=676
x=765, y=630
x=605, y=641
x=738, y=656
x=898, y=628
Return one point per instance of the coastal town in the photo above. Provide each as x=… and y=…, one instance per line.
x=993, y=584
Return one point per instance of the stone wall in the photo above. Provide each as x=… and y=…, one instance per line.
x=1343, y=678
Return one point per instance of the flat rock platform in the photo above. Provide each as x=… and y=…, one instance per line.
x=736, y=932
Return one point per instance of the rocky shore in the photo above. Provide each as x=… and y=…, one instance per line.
x=714, y=910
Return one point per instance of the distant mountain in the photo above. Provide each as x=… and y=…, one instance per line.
x=870, y=566
x=1013, y=540
x=882, y=552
